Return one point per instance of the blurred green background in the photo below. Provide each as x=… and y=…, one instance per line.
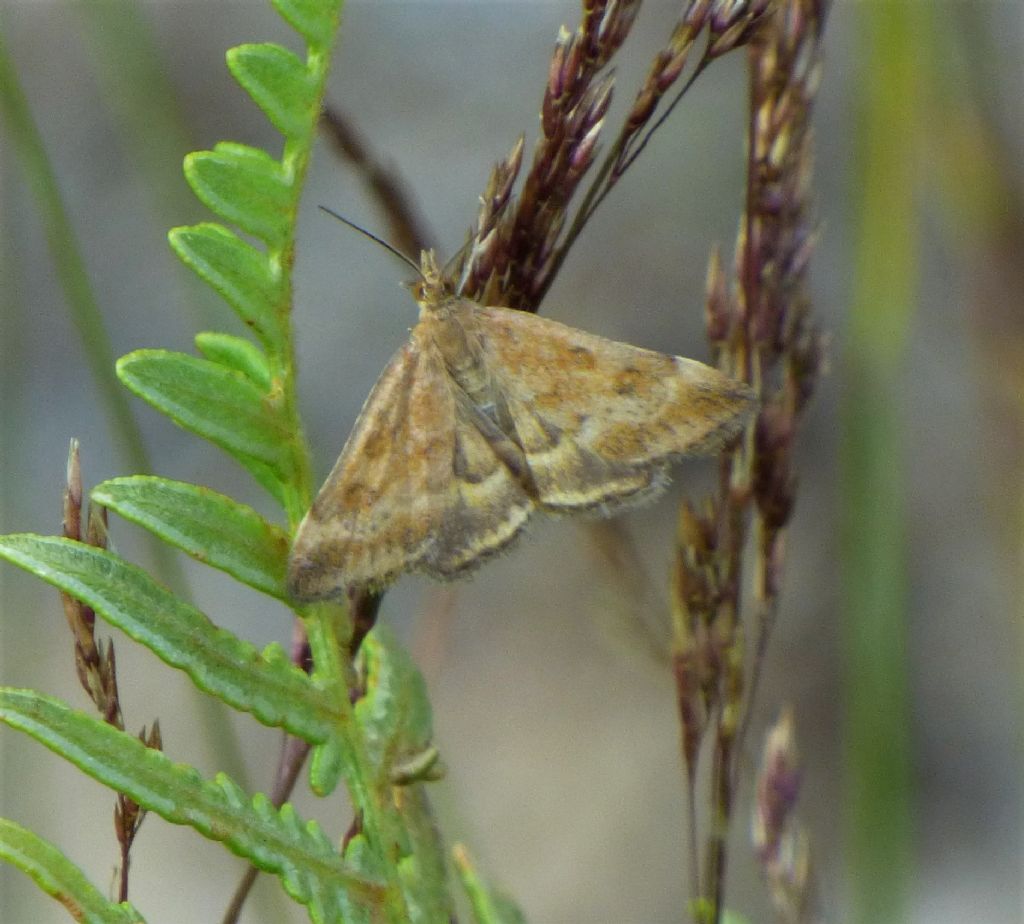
x=899, y=639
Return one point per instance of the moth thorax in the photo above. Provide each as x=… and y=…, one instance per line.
x=455, y=339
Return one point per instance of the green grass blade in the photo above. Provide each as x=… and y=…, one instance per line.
x=152, y=127
x=56, y=875
x=21, y=130
x=874, y=537
x=137, y=88
x=210, y=527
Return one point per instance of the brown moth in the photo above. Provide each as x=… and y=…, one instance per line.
x=487, y=415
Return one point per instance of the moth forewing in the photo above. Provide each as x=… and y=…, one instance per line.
x=598, y=420
x=375, y=513
x=486, y=415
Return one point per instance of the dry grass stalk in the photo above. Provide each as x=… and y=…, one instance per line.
x=95, y=662
x=757, y=321
x=760, y=329
x=519, y=244
x=406, y=229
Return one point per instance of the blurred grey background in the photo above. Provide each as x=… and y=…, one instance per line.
x=560, y=738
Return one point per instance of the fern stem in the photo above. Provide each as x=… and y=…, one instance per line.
x=329, y=627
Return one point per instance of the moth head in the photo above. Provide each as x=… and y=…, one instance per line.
x=431, y=288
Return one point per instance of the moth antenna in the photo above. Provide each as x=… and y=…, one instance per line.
x=373, y=237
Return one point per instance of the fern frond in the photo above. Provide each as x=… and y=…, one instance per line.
x=275, y=840
x=56, y=875
x=210, y=527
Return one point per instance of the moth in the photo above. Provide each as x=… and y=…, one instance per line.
x=487, y=415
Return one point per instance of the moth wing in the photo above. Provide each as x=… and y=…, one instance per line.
x=414, y=486
x=373, y=516
x=487, y=505
x=599, y=421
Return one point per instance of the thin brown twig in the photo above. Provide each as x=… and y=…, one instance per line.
x=616, y=549
x=363, y=608
x=293, y=755
x=406, y=228
x=96, y=663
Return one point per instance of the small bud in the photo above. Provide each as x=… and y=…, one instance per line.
x=154, y=739
x=806, y=241
x=690, y=701
x=805, y=365
x=717, y=310
x=73, y=494
x=782, y=847
x=725, y=13
x=727, y=40
x=779, y=149
x=120, y=825
x=623, y=23
x=549, y=116
x=483, y=254
x=597, y=100
x=778, y=784
x=762, y=131
x=503, y=178
x=515, y=158
x=98, y=527
x=643, y=106
x=556, y=69
x=696, y=15
x=573, y=61
x=771, y=199
x=696, y=531
x=773, y=483
x=583, y=153
x=672, y=68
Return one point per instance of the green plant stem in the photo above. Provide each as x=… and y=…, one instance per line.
x=67, y=256
x=129, y=64
x=328, y=626
x=298, y=490
x=874, y=552
x=137, y=88
x=74, y=279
